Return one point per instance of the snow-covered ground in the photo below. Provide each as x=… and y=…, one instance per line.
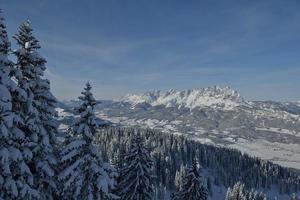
x=281, y=153
x=214, y=115
x=223, y=97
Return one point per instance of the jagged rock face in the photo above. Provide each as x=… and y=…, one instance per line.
x=217, y=97
x=220, y=116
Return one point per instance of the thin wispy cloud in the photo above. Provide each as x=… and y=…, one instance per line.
x=137, y=47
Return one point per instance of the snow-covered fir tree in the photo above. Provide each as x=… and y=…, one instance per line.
x=222, y=163
x=136, y=179
x=16, y=179
x=238, y=192
x=254, y=195
x=41, y=120
x=193, y=187
x=179, y=177
x=84, y=174
x=6, y=118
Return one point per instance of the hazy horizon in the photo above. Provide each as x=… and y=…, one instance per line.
x=138, y=46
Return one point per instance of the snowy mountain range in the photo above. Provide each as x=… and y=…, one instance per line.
x=216, y=97
x=214, y=115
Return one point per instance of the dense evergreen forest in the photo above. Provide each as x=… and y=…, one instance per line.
x=171, y=153
x=92, y=162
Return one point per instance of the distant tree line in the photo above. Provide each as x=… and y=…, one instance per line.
x=94, y=163
x=172, y=154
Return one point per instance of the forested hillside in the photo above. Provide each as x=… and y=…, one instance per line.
x=93, y=159
x=222, y=166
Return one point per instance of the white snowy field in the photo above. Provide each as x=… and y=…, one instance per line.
x=287, y=155
x=213, y=115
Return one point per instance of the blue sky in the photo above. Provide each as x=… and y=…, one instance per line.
x=130, y=46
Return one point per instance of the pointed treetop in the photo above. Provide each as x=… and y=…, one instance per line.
x=87, y=123
x=25, y=38
x=87, y=97
x=88, y=86
x=28, y=23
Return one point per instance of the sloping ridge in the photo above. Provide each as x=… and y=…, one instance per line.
x=217, y=97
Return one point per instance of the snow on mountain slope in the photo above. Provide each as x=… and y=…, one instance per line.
x=216, y=97
x=215, y=115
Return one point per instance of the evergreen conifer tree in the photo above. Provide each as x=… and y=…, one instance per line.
x=179, y=177
x=193, y=188
x=42, y=105
x=16, y=178
x=136, y=179
x=85, y=175
x=238, y=192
